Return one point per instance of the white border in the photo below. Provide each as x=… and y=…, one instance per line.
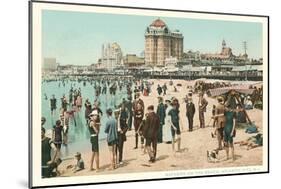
x=36, y=83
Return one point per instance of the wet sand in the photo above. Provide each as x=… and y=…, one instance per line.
x=194, y=144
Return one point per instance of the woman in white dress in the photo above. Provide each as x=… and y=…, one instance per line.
x=167, y=135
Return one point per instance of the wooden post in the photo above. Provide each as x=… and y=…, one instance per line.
x=247, y=116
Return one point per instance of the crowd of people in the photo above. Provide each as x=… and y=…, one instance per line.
x=152, y=125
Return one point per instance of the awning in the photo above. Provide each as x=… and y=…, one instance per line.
x=243, y=89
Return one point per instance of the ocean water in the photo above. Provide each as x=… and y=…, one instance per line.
x=78, y=131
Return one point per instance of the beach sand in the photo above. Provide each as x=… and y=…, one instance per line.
x=194, y=144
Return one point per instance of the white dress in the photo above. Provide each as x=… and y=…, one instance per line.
x=167, y=134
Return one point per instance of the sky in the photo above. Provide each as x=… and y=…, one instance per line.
x=77, y=37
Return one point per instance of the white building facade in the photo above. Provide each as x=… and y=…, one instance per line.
x=111, y=56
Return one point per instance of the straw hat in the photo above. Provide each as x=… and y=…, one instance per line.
x=160, y=98
x=151, y=107
x=220, y=98
x=94, y=112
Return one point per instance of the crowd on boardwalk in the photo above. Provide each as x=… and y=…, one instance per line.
x=152, y=124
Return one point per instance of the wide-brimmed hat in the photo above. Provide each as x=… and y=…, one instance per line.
x=220, y=98
x=167, y=100
x=94, y=112
x=151, y=107
x=160, y=98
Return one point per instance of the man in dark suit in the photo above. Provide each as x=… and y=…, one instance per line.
x=190, y=111
x=161, y=113
x=129, y=106
x=150, y=132
x=202, y=104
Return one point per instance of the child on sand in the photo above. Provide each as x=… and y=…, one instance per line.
x=79, y=164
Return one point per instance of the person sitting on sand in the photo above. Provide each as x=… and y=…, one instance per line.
x=252, y=142
x=79, y=164
x=248, y=103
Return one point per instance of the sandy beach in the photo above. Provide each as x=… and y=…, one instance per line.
x=194, y=144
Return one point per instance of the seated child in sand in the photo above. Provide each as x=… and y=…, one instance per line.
x=79, y=163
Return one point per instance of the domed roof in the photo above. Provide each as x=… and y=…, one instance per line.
x=158, y=23
x=115, y=45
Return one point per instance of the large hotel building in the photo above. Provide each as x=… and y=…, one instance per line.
x=161, y=43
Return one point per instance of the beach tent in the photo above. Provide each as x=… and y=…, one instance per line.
x=240, y=89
